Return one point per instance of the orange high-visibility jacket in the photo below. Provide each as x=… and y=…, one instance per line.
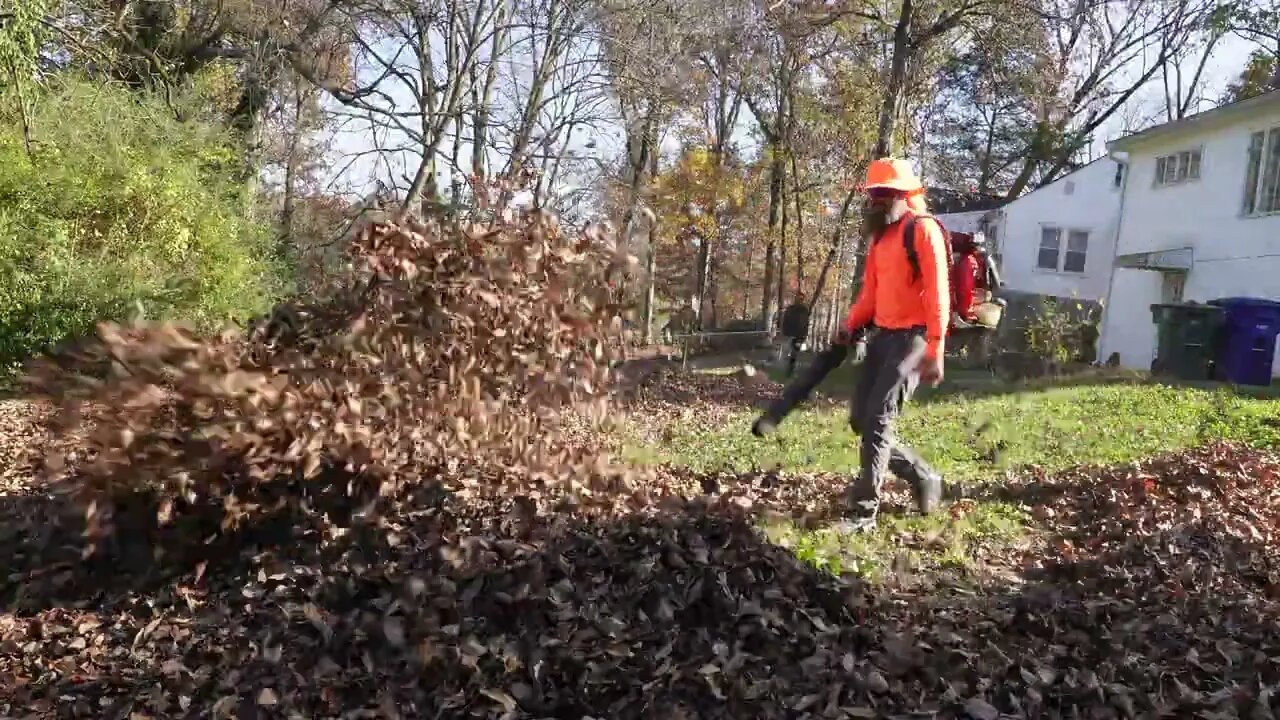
x=891, y=299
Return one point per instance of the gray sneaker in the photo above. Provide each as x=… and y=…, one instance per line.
x=856, y=525
x=928, y=493
x=764, y=426
x=862, y=515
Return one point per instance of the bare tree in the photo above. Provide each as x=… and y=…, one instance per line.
x=1257, y=21
x=772, y=108
x=440, y=83
x=648, y=48
x=915, y=28
x=1188, y=42
x=1098, y=57
x=720, y=111
x=543, y=66
x=787, y=42
x=414, y=61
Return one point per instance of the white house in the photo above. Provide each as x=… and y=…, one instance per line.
x=1199, y=220
x=1059, y=240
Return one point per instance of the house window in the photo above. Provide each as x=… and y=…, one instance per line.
x=1069, y=187
x=1262, y=176
x=1053, y=255
x=1077, y=249
x=1178, y=168
x=1050, y=247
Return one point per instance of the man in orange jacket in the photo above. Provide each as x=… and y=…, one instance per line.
x=908, y=313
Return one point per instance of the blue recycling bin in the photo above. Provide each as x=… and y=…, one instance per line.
x=1249, y=339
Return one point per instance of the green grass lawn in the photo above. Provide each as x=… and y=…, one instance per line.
x=973, y=438
x=974, y=433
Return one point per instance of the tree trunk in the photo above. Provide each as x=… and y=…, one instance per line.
x=836, y=246
x=768, y=306
x=291, y=172
x=651, y=268
x=704, y=282
x=639, y=149
x=560, y=25
x=455, y=181
x=1039, y=146
x=727, y=104
x=483, y=99
x=782, y=255
x=896, y=83
x=435, y=117
x=713, y=293
x=795, y=199
x=247, y=120
x=837, y=307
x=652, y=264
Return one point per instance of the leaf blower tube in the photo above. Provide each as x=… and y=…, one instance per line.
x=802, y=385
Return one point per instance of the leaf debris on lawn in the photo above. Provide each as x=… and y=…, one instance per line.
x=1151, y=593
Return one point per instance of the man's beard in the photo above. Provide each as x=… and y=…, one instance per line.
x=876, y=217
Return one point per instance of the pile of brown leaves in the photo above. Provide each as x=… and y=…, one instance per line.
x=445, y=349
x=22, y=441
x=1147, y=596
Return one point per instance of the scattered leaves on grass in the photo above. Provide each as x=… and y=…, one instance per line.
x=673, y=606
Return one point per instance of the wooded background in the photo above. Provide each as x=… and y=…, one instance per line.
x=203, y=158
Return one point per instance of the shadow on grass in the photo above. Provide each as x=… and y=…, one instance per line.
x=458, y=610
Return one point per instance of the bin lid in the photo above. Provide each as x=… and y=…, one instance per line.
x=1246, y=302
x=1191, y=308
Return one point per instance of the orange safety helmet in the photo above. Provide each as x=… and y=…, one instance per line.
x=894, y=174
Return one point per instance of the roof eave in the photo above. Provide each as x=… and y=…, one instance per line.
x=1141, y=137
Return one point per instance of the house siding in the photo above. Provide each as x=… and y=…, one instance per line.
x=1093, y=205
x=1233, y=255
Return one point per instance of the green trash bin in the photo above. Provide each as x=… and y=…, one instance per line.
x=1187, y=339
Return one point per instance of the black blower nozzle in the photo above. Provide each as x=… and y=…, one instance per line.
x=799, y=389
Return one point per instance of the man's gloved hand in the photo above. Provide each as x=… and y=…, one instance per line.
x=860, y=350
x=845, y=336
x=931, y=371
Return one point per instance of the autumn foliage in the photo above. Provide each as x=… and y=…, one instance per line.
x=446, y=352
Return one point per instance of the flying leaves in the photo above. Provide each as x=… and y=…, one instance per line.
x=443, y=347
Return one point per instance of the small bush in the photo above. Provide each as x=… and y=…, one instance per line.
x=118, y=206
x=1060, y=337
x=446, y=352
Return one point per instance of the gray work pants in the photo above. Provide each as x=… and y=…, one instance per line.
x=889, y=377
